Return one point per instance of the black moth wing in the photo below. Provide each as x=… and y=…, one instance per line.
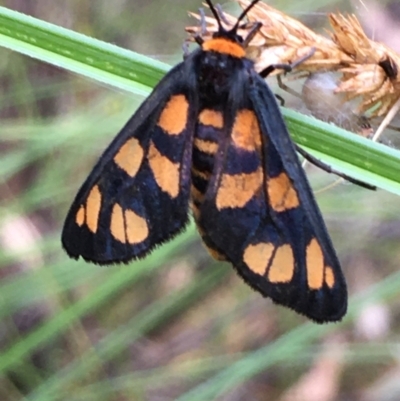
x=328, y=300
x=137, y=195
x=275, y=238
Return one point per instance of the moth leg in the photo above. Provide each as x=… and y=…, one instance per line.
x=198, y=37
x=280, y=99
x=330, y=170
x=287, y=67
x=286, y=88
x=253, y=32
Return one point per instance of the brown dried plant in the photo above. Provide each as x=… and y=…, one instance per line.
x=369, y=69
x=281, y=39
x=373, y=73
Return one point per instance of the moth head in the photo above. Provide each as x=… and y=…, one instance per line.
x=231, y=34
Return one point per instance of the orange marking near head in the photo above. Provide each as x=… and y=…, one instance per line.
x=173, y=118
x=257, y=257
x=236, y=190
x=315, y=265
x=282, y=195
x=80, y=216
x=166, y=173
x=137, y=229
x=329, y=277
x=93, y=206
x=246, y=131
x=129, y=157
x=224, y=46
x=211, y=118
x=117, y=226
x=206, y=146
x=282, y=267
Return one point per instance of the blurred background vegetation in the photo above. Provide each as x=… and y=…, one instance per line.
x=176, y=325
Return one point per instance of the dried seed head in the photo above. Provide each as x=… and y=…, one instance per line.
x=281, y=39
x=373, y=73
x=369, y=69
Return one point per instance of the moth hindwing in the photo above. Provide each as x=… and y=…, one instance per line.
x=211, y=138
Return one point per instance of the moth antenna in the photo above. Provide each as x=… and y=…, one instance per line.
x=215, y=13
x=243, y=14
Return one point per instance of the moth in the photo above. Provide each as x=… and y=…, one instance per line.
x=211, y=139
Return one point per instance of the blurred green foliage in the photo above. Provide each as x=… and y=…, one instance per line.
x=175, y=325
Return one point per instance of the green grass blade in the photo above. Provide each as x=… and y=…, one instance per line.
x=354, y=155
x=90, y=57
x=374, y=163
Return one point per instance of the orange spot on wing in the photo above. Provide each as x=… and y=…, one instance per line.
x=245, y=131
x=329, y=277
x=212, y=118
x=206, y=146
x=129, y=156
x=282, y=267
x=117, y=226
x=93, y=206
x=173, y=118
x=80, y=216
x=224, y=46
x=282, y=195
x=137, y=229
x=257, y=257
x=237, y=189
x=166, y=173
x=127, y=226
x=315, y=265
